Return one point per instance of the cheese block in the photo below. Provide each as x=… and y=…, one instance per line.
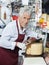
x=28, y=50
x=36, y=49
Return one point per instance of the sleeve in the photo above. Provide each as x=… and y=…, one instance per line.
x=32, y=34
x=7, y=34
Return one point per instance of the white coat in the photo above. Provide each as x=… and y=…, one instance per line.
x=9, y=35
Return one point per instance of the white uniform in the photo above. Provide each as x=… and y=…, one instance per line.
x=9, y=35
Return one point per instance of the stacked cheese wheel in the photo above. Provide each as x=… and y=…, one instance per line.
x=34, y=49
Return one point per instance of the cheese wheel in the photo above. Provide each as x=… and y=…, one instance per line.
x=28, y=51
x=36, y=49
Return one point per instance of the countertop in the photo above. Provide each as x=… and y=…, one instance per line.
x=34, y=61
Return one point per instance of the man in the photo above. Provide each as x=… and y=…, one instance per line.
x=12, y=38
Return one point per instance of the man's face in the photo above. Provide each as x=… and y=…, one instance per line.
x=24, y=19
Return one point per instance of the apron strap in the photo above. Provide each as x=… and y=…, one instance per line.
x=17, y=26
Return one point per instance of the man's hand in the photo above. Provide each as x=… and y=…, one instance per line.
x=21, y=45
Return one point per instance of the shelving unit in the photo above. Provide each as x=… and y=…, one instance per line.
x=36, y=13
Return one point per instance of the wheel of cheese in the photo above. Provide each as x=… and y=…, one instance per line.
x=36, y=49
x=28, y=51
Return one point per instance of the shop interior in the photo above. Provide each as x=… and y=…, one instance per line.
x=39, y=24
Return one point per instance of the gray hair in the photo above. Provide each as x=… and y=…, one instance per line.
x=25, y=9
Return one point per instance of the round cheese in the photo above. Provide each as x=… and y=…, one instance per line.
x=36, y=49
x=28, y=51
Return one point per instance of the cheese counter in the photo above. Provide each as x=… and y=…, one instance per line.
x=31, y=61
x=34, y=61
